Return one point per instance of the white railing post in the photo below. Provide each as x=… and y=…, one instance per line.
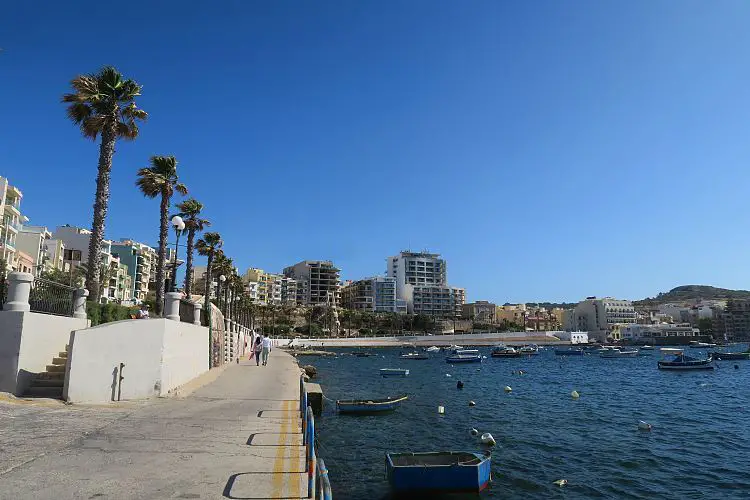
x=197, y=313
x=19, y=289
x=79, y=303
x=172, y=306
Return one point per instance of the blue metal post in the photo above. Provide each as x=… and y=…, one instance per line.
x=325, y=484
x=310, y=453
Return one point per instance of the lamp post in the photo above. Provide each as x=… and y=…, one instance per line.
x=179, y=227
x=222, y=279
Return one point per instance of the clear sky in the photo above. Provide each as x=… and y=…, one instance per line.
x=549, y=150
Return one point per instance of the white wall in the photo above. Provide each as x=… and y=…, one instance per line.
x=28, y=342
x=158, y=355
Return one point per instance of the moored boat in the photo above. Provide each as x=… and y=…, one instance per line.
x=730, y=356
x=678, y=361
x=369, y=406
x=647, y=347
x=464, y=356
x=437, y=472
x=529, y=350
x=503, y=351
x=694, y=344
x=616, y=352
x=362, y=354
x=433, y=349
x=571, y=351
x=393, y=372
x=414, y=355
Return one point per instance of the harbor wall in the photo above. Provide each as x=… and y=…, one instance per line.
x=511, y=338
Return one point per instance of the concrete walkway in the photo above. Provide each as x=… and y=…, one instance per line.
x=237, y=437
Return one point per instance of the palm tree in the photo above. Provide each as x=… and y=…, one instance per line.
x=160, y=179
x=209, y=246
x=190, y=211
x=103, y=104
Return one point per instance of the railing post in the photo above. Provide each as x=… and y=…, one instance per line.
x=310, y=452
x=197, y=306
x=172, y=306
x=79, y=303
x=19, y=289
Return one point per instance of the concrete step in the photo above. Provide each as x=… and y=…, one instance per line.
x=56, y=368
x=44, y=392
x=51, y=375
x=48, y=382
x=59, y=361
x=63, y=354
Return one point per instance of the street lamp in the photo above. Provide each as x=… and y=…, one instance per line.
x=179, y=227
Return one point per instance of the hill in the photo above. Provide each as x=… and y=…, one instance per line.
x=691, y=293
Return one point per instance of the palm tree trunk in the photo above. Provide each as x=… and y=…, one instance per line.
x=101, y=202
x=209, y=279
x=189, y=264
x=161, y=264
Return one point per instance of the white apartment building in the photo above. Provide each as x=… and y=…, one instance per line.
x=11, y=221
x=653, y=333
x=33, y=241
x=375, y=294
x=317, y=281
x=600, y=317
x=421, y=282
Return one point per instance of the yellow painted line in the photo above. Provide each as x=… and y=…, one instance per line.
x=277, y=484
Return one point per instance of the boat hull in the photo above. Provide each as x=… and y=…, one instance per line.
x=669, y=365
x=415, y=358
x=731, y=356
x=369, y=407
x=507, y=355
x=568, y=352
x=394, y=373
x=436, y=473
x=465, y=359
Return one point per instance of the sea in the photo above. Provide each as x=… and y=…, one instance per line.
x=698, y=447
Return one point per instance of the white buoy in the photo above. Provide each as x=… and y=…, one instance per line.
x=448, y=375
x=508, y=389
x=644, y=426
x=574, y=395
x=561, y=482
x=472, y=403
x=488, y=439
x=474, y=432
x=441, y=410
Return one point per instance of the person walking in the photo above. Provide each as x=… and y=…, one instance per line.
x=266, y=348
x=257, y=348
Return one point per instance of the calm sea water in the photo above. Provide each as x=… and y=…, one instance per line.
x=699, y=446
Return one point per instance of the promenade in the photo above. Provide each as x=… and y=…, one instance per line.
x=236, y=437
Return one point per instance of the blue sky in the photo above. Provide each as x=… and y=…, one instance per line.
x=549, y=150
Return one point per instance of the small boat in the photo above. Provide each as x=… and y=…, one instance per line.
x=618, y=353
x=420, y=474
x=464, y=356
x=414, y=355
x=647, y=347
x=433, y=349
x=572, y=351
x=694, y=344
x=369, y=406
x=361, y=354
x=393, y=372
x=529, y=350
x=731, y=356
x=503, y=351
x=679, y=361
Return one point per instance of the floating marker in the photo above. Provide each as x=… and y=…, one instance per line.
x=487, y=439
x=474, y=432
x=472, y=403
x=644, y=426
x=508, y=389
x=441, y=410
x=561, y=482
x=459, y=385
x=448, y=375
x=573, y=395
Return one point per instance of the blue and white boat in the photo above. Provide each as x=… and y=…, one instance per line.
x=678, y=361
x=435, y=473
x=464, y=356
x=369, y=406
x=393, y=372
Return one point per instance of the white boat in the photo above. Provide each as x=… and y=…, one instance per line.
x=393, y=372
x=647, y=347
x=694, y=344
x=432, y=349
x=529, y=350
x=464, y=356
x=616, y=352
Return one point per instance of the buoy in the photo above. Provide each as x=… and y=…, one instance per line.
x=472, y=403
x=441, y=410
x=574, y=395
x=736, y=367
x=474, y=432
x=508, y=389
x=459, y=385
x=447, y=374
x=561, y=482
x=488, y=439
x=644, y=426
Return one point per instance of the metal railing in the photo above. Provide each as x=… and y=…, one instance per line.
x=318, y=484
x=51, y=298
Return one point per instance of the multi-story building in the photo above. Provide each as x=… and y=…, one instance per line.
x=269, y=288
x=140, y=260
x=11, y=220
x=733, y=322
x=600, y=317
x=32, y=240
x=421, y=282
x=376, y=294
x=288, y=290
x=655, y=334
x=55, y=250
x=480, y=311
x=76, y=243
x=318, y=281
x=24, y=262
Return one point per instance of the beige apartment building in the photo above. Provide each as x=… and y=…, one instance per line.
x=10, y=223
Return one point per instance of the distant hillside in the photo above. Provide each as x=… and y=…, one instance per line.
x=687, y=293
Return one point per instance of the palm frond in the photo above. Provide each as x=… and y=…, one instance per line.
x=181, y=188
x=78, y=112
x=127, y=130
x=132, y=112
x=149, y=183
x=92, y=126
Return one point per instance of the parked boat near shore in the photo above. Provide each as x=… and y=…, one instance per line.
x=571, y=351
x=437, y=473
x=529, y=350
x=414, y=355
x=678, y=361
x=393, y=372
x=503, y=351
x=464, y=356
x=694, y=344
x=369, y=406
x=618, y=353
x=731, y=356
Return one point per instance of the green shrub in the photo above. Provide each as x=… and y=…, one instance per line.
x=106, y=313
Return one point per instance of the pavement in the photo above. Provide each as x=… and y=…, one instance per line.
x=237, y=437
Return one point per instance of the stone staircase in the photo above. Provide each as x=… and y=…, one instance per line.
x=49, y=384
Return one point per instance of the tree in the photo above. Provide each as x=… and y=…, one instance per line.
x=208, y=246
x=103, y=104
x=160, y=179
x=190, y=211
x=705, y=325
